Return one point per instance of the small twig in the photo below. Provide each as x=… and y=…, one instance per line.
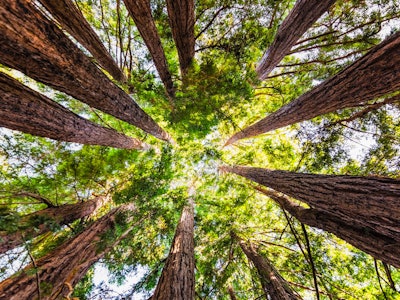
x=37, y=274
x=379, y=278
x=389, y=276
x=311, y=260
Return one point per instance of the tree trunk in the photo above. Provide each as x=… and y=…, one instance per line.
x=373, y=75
x=372, y=201
x=140, y=12
x=303, y=15
x=72, y=20
x=231, y=293
x=355, y=231
x=274, y=286
x=182, y=19
x=177, y=277
x=59, y=271
x=33, y=45
x=60, y=215
x=28, y=111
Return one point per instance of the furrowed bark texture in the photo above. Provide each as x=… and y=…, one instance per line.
x=177, y=278
x=72, y=20
x=274, y=286
x=181, y=19
x=33, y=45
x=61, y=215
x=140, y=12
x=354, y=230
x=60, y=270
x=303, y=15
x=373, y=75
x=28, y=111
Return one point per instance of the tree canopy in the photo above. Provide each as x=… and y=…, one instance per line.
x=114, y=149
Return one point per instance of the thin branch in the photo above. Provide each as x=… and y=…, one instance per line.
x=37, y=274
x=389, y=276
x=379, y=278
x=34, y=196
x=311, y=260
x=211, y=21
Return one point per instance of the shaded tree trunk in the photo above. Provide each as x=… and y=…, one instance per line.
x=375, y=199
x=72, y=20
x=373, y=75
x=274, y=286
x=28, y=111
x=33, y=45
x=357, y=232
x=303, y=15
x=231, y=293
x=177, y=277
x=59, y=271
x=182, y=19
x=140, y=12
x=59, y=215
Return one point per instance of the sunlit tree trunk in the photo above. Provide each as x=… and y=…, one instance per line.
x=60, y=215
x=303, y=15
x=140, y=12
x=35, y=46
x=72, y=20
x=352, y=229
x=373, y=75
x=274, y=286
x=177, y=277
x=182, y=19
x=59, y=271
x=28, y=111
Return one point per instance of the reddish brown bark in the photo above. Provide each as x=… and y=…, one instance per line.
x=182, y=19
x=28, y=111
x=60, y=215
x=373, y=75
x=60, y=270
x=274, y=286
x=303, y=15
x=354, y=230
x=72, y=20
x=177, y=277
x=33, y=45
x=140, y=12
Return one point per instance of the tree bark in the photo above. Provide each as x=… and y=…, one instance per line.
x=376, y=199
x=60, y=215
x=177, y=277
x=355, y=231
x=303, y=15
x=373, y=75
x=28, y=111
x=140, y=12
x=274, y=286
x=181, y=19
x=33, y=45
x=60, y=270
x=72, y=20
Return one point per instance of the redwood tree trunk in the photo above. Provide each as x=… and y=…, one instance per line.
x=274, y=286
x=60, y=270
x=177, y=277
x=60, y=215
x=140, y=12
x=182, y=19
x=28, y=111
x=303, y=15
x=355, y=231
x=72, y=20
x=373, y=75
x=35, y=46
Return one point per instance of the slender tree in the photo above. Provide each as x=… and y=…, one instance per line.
x=357, y=232
x=181, y=19
x=28, y=111
x=273, y=284
x=72, y=20
x=140, y=12
x=40, y=222
x=58, y=272
x=303, y=15
x=373, y=75
x=177, y=277
x=32, y=44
